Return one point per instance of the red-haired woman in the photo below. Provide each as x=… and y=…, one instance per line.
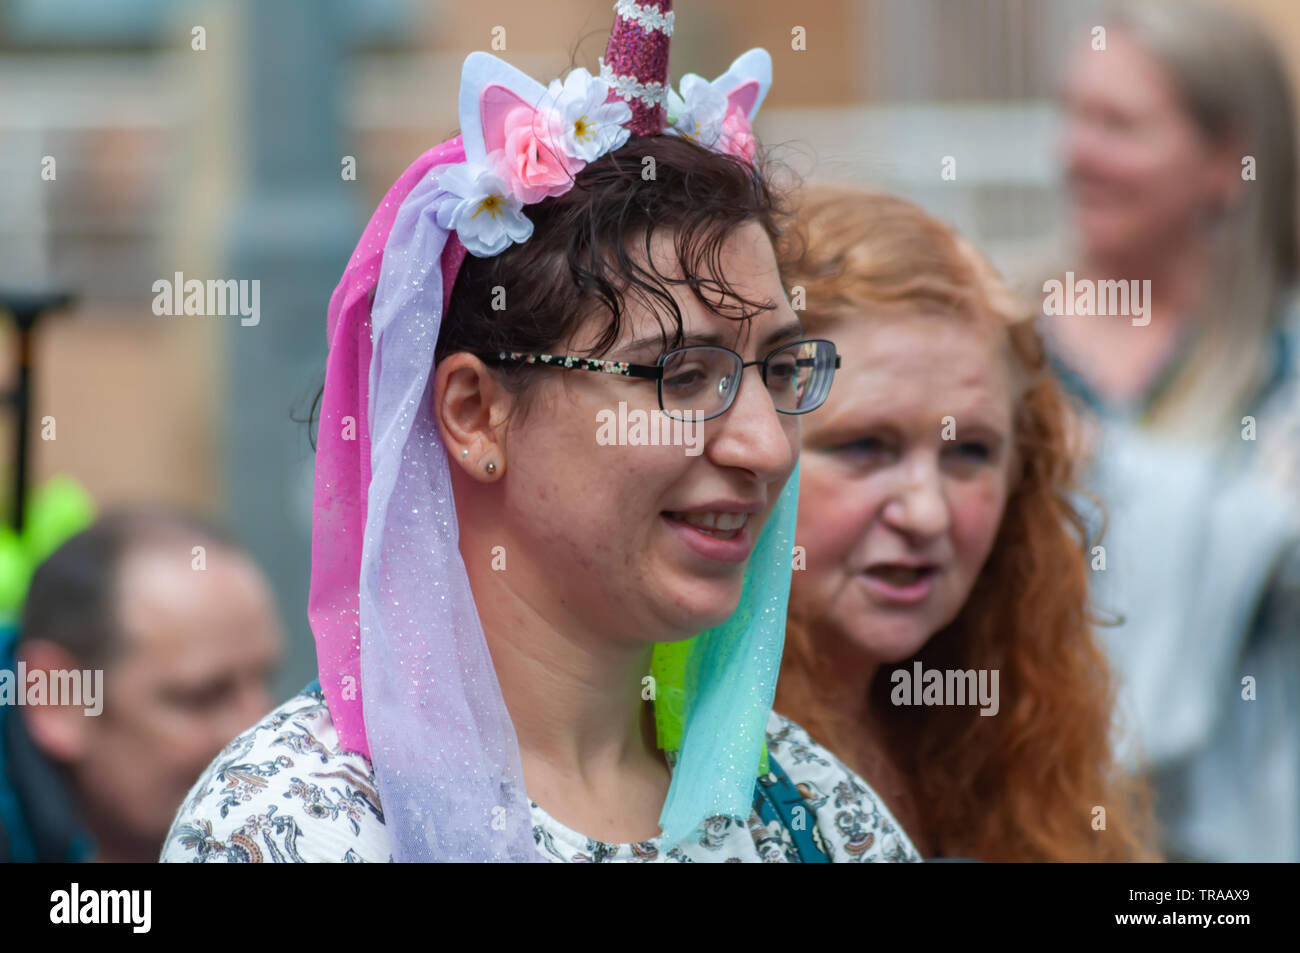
x=939, y=640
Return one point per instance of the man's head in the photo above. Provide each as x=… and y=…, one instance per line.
x=185, y=629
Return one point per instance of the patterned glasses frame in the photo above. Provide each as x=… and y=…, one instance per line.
x=820, y=357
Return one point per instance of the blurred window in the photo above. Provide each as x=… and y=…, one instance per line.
x=135, y=23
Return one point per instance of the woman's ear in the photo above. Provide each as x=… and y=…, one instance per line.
x=470, y=409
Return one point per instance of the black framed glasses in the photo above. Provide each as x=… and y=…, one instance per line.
x=700, y=381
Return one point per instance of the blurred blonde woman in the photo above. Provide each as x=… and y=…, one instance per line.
x=1180, y=167
x=936, y=523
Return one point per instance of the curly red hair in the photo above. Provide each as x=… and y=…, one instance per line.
x=1023, y=785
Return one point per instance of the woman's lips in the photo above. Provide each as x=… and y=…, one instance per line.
x=728, y=546
x=898, y=585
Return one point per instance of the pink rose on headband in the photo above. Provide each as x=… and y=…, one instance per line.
x=530, y=159
x=737, y=134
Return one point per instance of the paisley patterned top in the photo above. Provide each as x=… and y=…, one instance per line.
x=283, y=792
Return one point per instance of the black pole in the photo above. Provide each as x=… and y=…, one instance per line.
x=26, y=308
x=22, y=398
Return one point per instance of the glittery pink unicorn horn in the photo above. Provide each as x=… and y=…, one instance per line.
x=635, y=65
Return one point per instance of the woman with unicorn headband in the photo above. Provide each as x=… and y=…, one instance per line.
x=534, y=646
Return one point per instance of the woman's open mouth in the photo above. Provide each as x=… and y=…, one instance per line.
x=899, y=584
x=721, y=525
x=714, y=535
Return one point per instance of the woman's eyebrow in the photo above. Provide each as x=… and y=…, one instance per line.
x=714, y=338
x=785, y=332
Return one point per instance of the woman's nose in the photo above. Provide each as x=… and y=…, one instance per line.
x=917, y=504
x=752, y=435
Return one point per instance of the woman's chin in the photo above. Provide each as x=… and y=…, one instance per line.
x=889, y=642
x=703, y=604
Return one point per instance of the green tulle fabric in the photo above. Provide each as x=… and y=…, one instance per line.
x=668, y=668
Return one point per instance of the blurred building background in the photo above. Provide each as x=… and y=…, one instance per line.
x=212, y=138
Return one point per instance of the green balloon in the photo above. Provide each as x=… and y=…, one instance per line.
x=15, y=572
x=58, y=510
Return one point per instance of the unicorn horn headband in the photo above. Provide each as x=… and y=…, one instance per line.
x=403, y=661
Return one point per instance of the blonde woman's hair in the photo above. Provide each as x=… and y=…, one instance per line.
x=1232, y=84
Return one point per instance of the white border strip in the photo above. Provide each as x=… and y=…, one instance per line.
x=647, y=17
x=629, y=87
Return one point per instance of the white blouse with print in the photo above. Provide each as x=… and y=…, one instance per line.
x=284, y=792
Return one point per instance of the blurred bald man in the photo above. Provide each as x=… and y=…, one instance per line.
x=185, y=629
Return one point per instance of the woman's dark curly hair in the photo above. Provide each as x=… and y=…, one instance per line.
x=589, y=253
x=581, y=258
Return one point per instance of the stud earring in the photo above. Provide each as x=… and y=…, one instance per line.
x=491, y=468
x=464, y=452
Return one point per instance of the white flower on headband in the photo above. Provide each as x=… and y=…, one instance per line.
x=541, y=148
x=525, y=142
x=482, y=209
x=697, y=113
x=589, y=124
x=704, y=113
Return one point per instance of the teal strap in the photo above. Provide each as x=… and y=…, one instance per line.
x=777, y=799
x=15, y=843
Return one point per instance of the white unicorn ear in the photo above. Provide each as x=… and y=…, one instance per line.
x=489, y=89
x=747, y=80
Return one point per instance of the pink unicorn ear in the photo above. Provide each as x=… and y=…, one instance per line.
x=494, y=104
x=747, y=80
x=489, y=89
x=744, y=97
